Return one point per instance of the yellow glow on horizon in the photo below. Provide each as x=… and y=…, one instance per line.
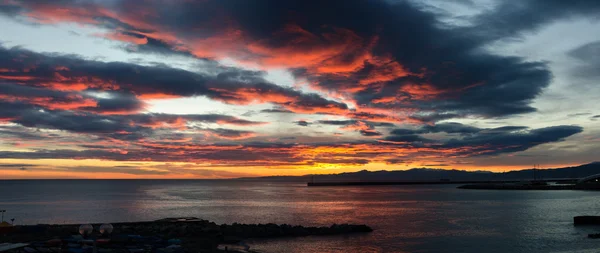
x=59, y=168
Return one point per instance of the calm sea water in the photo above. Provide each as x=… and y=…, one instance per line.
x=405, y=218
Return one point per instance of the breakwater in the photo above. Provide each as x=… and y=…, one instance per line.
x=191, y=234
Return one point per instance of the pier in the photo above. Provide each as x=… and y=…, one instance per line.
x=440, y=182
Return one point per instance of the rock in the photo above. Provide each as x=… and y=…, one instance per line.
x=594, y=236
x=586, y=220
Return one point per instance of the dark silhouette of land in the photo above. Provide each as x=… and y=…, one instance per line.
x=444, y=176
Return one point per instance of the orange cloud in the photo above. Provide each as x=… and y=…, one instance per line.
x=17, y=78
x=71, y=102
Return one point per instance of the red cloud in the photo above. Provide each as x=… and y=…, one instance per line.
x=68, y=103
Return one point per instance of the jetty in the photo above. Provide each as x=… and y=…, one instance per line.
x=171, y=235
x=518, y=186
x=587, y=183
x=440, y=182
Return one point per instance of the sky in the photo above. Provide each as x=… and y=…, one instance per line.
x=239, y=88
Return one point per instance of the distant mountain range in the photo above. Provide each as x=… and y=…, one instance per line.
x=425, y=174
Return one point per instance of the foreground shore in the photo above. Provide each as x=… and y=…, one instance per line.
x=165, y=235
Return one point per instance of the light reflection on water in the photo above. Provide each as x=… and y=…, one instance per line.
x=405, y=218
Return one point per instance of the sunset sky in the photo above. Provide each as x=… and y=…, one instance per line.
x=230, y=88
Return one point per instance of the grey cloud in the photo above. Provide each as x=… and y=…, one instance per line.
x=450, y=127
x=508, y=19
x=589, y=57
x=276, y=110
x=231, y=133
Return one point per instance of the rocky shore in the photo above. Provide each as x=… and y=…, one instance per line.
x=182, y=235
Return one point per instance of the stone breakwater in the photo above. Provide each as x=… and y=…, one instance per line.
x=196, y=235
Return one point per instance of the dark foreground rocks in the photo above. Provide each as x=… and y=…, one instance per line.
x=167, y=235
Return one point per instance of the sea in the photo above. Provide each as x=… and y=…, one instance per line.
x=419, y=218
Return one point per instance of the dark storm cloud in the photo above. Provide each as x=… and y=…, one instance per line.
x=472, y=79
x=489, y=141
x=458, y=77
x=509, y=142
x=117, y=102
x=232, y=86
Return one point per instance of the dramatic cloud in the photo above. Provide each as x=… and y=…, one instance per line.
x=226, y=83
x=371, y=63
x=69, y=73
